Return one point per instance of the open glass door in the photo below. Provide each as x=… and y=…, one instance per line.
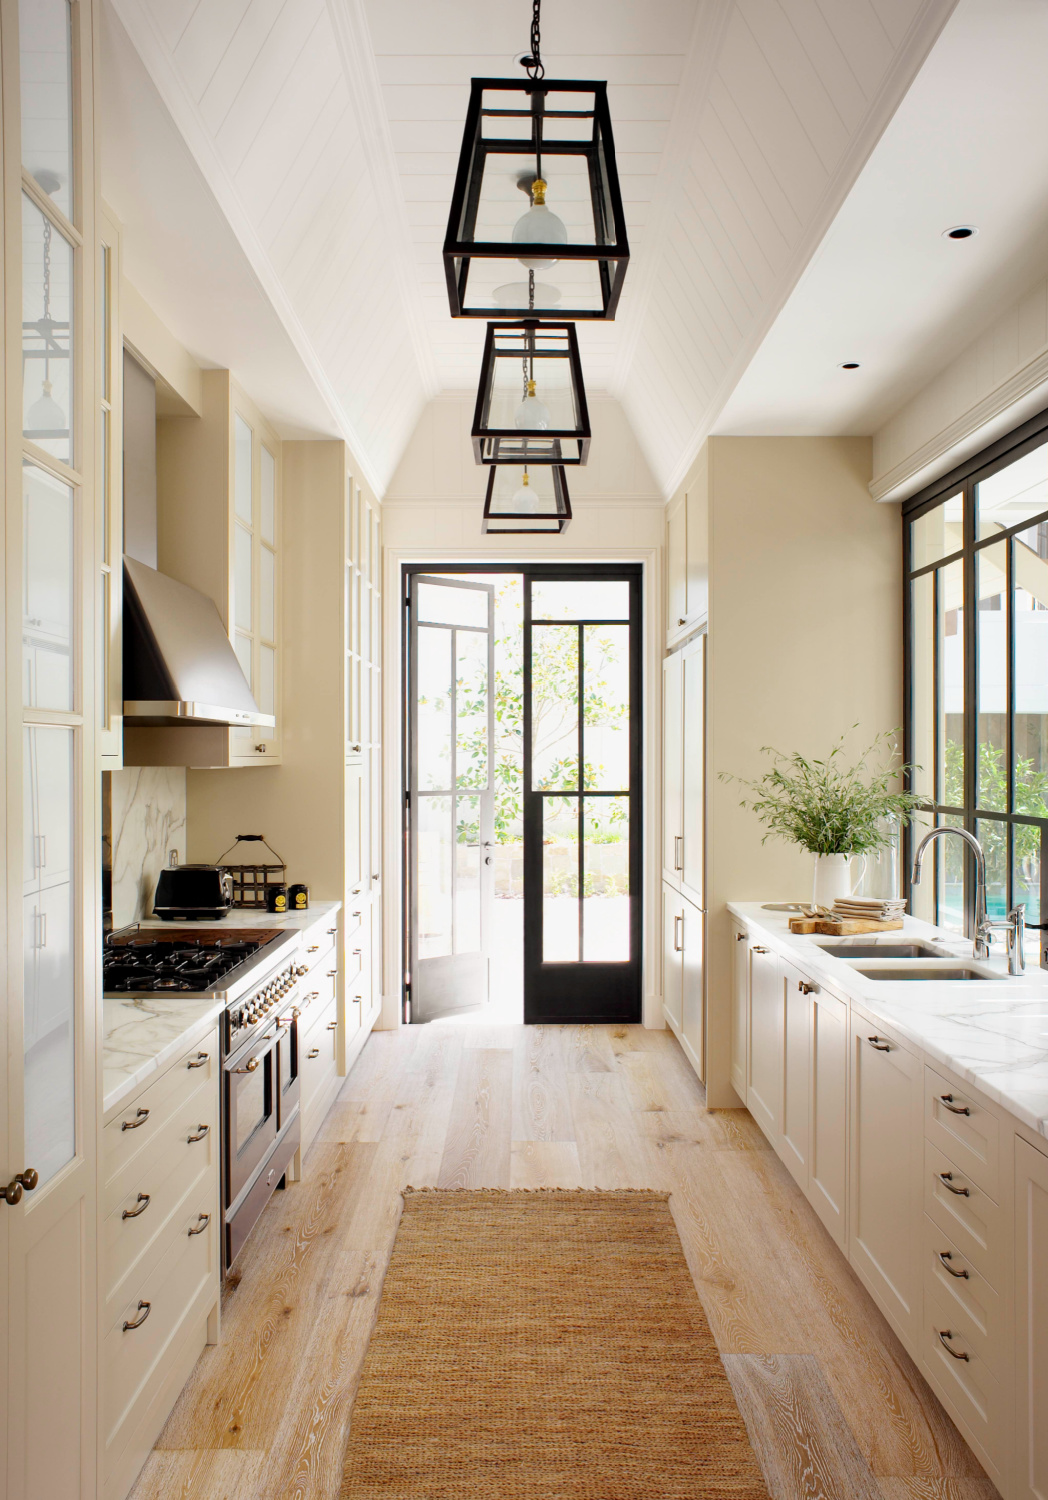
x=450, y=794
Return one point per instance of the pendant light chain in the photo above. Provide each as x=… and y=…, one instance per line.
x=534, y=62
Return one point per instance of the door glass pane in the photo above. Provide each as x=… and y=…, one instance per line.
x=47, y=304
x=991, y=624
x=923, y=677
x=1012, y=495
x=267, y=595
x=922, y=896
x=554, y=707
x=445, y=604
x=571, y=599
x=242, y=647
x=48, y=933
x=950, y=779
x=471, y=707
x=433, y=691
x=951, y=854
x=242, y=578
x=938, y=533
x=606, y=880
x=433, y=886
x=45, y=46
x=242, y=469
x=468, y=854
x=268, y=487
x=560, y=880
x=606, y=708
x=267, y=680
x=47, y=590
x=993, y=836
x=1026, y=869
x=1030, y=729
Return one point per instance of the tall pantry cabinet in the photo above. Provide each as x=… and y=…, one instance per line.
x=684, y=846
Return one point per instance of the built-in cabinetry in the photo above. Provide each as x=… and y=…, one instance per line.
x=318, y=1026
x=687, y=551
x=160, y=1251
x=683, y=846
x=936, y=1196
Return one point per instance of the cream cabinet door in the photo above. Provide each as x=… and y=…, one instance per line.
x=794, y=1144
x=764, y=1080
x=672, y=768
x=828, y=1131
x=672, y=953
x=740, y=1007
x=693, y=1015
x=1031, y=1322
x=693, y=771
x=676, y=567
x=887, y=1148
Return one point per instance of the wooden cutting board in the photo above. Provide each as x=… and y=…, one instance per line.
x=842, y=926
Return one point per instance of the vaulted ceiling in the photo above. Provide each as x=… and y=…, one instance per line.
x=327, y=132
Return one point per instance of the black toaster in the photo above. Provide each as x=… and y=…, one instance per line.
x=193, y=893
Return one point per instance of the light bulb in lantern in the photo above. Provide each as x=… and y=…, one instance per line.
x=531, y=415
x=45, y=414
x=525, y=501
x=539, y=226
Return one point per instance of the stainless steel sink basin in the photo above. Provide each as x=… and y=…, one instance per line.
x=882, y=950
x=947, y=972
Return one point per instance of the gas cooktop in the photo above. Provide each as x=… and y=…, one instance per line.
x=179, y=965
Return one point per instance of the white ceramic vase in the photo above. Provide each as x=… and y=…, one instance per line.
x=832, y=878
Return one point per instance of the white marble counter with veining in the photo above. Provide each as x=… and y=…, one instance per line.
x=992, y=1033
x=141, y=1035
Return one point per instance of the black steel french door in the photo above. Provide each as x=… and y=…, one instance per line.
x=450, y=794
x=582, y=794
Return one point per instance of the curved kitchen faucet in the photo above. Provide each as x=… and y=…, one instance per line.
x=1015, y=922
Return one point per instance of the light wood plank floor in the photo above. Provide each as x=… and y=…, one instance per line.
x=834, y=1405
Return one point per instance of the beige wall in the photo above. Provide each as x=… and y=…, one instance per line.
x=805, y=640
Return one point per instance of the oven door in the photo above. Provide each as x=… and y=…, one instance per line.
x=287, y=1071
x=250, y=1104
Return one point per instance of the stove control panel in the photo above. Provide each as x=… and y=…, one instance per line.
x=248, y=1012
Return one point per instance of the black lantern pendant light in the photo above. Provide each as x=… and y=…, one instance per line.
x=531, y=405
x=526, y=501
x=565, y=254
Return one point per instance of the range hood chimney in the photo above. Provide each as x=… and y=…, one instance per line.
x=179, y=666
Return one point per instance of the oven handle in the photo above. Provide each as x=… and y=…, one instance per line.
x=266, y=1045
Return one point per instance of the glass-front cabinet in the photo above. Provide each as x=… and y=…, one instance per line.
x=255, y=605
x=363, y=728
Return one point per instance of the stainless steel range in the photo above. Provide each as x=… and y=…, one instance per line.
x=256, y=973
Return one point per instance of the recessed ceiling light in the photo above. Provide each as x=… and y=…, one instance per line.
x=960, y=232
x=851, y=364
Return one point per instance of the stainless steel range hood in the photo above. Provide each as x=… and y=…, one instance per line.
x=179, y=666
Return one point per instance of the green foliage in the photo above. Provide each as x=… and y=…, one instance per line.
x=1031, y=800
x=828, y=806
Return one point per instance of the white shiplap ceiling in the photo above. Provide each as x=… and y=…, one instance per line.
x=327, y=131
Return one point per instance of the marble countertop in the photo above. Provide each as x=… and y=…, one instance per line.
x=142, y=1034
x=992, y=1033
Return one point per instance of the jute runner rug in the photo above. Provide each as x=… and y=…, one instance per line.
x=539, y=1345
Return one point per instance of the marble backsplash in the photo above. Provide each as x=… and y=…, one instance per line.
x=147, y=809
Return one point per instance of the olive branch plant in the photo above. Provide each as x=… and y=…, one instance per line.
x=829, y=806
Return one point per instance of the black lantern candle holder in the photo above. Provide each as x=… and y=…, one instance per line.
x=560, y=251
x=526, y=501
x=531, y=403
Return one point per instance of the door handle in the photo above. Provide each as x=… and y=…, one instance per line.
x=133, y=1213
x=678, y=861
x=946, y=1178
x=678, y=947
x=203, y=1220
x=946, y=1256
x=141, y=1116
x=878, y=1045
x=332, y=1025
x=315, y=1052
x=944, y=1334
x=143, y=1314
x=199, y=1061
x=955, y=1109
x=249, y=1067
x=201, y=1131
x=760, y=950
x=26, y=1180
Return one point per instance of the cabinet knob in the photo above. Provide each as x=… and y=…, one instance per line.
x=260, y=749
x=26, y=1181
x=806, y=988
x=740, y=937
x=682, y=620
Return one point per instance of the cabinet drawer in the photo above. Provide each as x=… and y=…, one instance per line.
x=318, y=1053
x=968, y=1386
x=954, y=1282
x=965, y=1129
x=144, y=1119
x=956, y=1203
x=318, y=946
x=171, y=1289
x=168, y=1141
x=139, y=1229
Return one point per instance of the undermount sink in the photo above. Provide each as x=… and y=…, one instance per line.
x=882, y=950
x=950, y=973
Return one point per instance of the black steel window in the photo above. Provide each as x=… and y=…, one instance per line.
x=976, y=561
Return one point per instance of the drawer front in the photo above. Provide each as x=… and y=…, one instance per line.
x=965, y=1129
x=318, y=1053
x=318, y=944
x=130, y=1355
x=144, y=1119
x=140, y=1228
x=956, y=1284
x=197, y=1115
x=971, y=1218
x=968, y=1385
